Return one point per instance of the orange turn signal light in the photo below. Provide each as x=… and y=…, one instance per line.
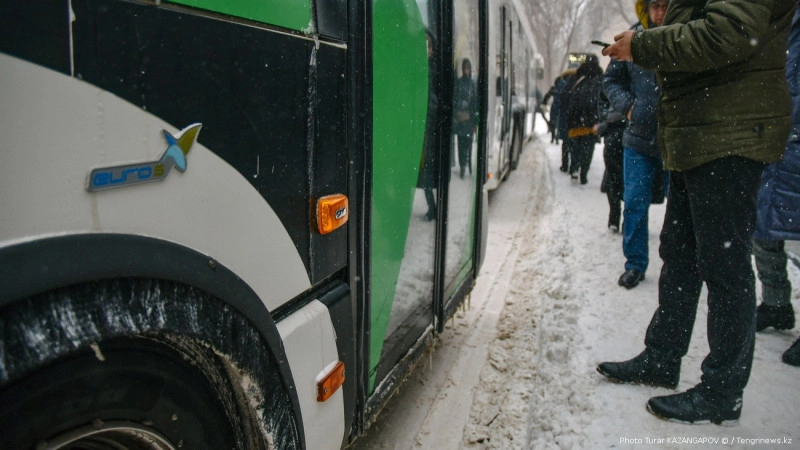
x=330, y=380
x=332, y=212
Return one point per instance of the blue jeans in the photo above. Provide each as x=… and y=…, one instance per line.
x=638, y=172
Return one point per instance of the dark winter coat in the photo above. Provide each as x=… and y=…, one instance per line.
x=612, y=125
x=584, y=96
x=429, y=162
x=720, y=65
x=465, y=108
x=564, y=92
x=632, y=88
x=779, y=199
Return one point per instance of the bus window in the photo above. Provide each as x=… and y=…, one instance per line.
x=463, y=176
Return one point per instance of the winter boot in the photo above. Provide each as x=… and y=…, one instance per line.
x=778, y=317
x=697, y=405
x=630, y=279
x=792, y=356
x=648, y=368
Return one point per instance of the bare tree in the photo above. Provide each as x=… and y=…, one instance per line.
x=624, y=9
x=564, y=26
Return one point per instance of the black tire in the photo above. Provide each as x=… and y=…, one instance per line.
x=139, y=388
x=110, y=362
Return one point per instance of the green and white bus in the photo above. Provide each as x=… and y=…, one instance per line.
x=237, y=224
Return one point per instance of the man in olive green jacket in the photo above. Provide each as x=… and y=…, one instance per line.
x=724, y=113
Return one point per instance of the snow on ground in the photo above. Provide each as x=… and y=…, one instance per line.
x=516, y=368
x=565, y=313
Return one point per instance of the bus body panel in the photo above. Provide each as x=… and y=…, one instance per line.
x=310, y=342
x=511, y=79
x=295, y=14
x=52, y=143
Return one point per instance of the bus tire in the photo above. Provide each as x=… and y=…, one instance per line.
x=140, y=364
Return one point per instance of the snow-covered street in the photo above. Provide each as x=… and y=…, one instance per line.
x=515, y=369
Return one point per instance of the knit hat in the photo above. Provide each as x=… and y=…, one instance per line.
x=649, y=2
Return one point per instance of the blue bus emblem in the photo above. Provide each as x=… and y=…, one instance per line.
x=129, y=174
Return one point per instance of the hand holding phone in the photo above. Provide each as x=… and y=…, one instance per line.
x=601, y=43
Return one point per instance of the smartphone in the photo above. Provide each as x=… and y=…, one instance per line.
x=601, y=43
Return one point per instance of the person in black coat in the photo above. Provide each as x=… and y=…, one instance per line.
x=554, y=92
x=429, y=177
x=612, y=125
x=583, y=117
x=465, y=114
x=567, y=81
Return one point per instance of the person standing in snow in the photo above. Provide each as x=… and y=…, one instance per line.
x=724, y=114
x=634, y=92
x=429, y=178
x=583, y=116
x=777, y=217
x=612, y=125
x=465, y=114
x=567, y=159
x=554, y=92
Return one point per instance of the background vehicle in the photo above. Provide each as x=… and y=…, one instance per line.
x=215, y=229
x=515, y=71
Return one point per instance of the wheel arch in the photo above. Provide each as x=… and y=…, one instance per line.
x=37, y=270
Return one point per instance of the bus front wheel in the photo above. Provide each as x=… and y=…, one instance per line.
x=139, y=364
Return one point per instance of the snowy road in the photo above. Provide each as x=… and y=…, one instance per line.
x=516, y=369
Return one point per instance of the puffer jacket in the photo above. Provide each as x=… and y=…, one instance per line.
x=629, y=86
x=778, y=215
x=568, y=79
x=584, y=96
x=720, y=65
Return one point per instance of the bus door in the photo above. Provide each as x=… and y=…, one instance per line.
x=463, y=183
x=423, y=213
x=406, y=180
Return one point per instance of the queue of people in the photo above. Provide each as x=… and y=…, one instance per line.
x=723, y=116
x=705, y=125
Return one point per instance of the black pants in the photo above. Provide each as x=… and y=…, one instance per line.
x=613, y=184
x=582, y=148
x=465, y=151
x=708, y=224
x=566, y=154
x=771, y=259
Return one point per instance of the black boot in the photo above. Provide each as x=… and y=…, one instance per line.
x=613, y=223
x=792, y=356
x=630, y=279
x=778, y=317
x=697, y=405
x=648, y=368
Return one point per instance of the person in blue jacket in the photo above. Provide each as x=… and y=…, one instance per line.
x=634, y=92
x=555, y=93
x=778, y=216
